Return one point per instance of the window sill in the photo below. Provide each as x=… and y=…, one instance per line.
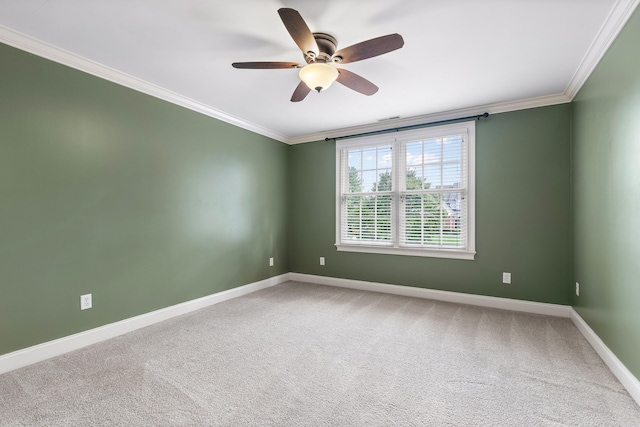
x=432, y=253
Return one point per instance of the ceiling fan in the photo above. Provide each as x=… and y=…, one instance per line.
x=319, y=50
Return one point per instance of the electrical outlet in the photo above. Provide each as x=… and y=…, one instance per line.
x=506, y=278
x=577, y=289
x=85, y=301
x=321, y=260
x=271, y=262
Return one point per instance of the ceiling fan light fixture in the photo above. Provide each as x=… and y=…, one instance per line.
x=318, y=75
x=319, y=50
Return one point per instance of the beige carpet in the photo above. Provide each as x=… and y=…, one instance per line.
x=308, y=355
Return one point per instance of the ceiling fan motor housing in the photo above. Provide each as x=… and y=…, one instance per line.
x=326, y=47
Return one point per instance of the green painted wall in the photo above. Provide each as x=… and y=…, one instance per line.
x=142, y=203
x=145, y=204
x=522, y=215
x=606, y=197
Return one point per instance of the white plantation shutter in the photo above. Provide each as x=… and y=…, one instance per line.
x=433, y=194
x=408, y=193
x=367, y=200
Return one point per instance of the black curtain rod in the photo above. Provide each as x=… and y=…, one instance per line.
x=418, y=126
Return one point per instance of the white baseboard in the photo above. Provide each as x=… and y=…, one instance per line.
x=456, y=297
x=628, y=380
x=40, y=352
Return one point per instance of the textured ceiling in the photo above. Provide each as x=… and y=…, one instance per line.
x=457, y=54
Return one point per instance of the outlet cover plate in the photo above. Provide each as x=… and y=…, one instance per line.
x=85, y=302
x=506, y=278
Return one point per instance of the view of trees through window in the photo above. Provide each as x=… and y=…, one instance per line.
x=369, y=216
x=430, y=198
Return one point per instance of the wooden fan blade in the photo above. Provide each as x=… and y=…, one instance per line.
x=355, y=82
x=300, y=32
x=369, y=48
x=300, y=93
x=265, y=65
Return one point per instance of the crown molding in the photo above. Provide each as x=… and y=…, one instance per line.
x=502, y=107
x=618, y=17
x=64, y=57
x=69, y=59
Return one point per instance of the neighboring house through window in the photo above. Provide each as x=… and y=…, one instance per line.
x=408, y=193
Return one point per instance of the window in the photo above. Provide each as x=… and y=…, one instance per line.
x=408, y=193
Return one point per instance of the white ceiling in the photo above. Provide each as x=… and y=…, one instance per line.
x=458, y=54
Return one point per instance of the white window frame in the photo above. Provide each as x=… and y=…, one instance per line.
x=397, y=140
